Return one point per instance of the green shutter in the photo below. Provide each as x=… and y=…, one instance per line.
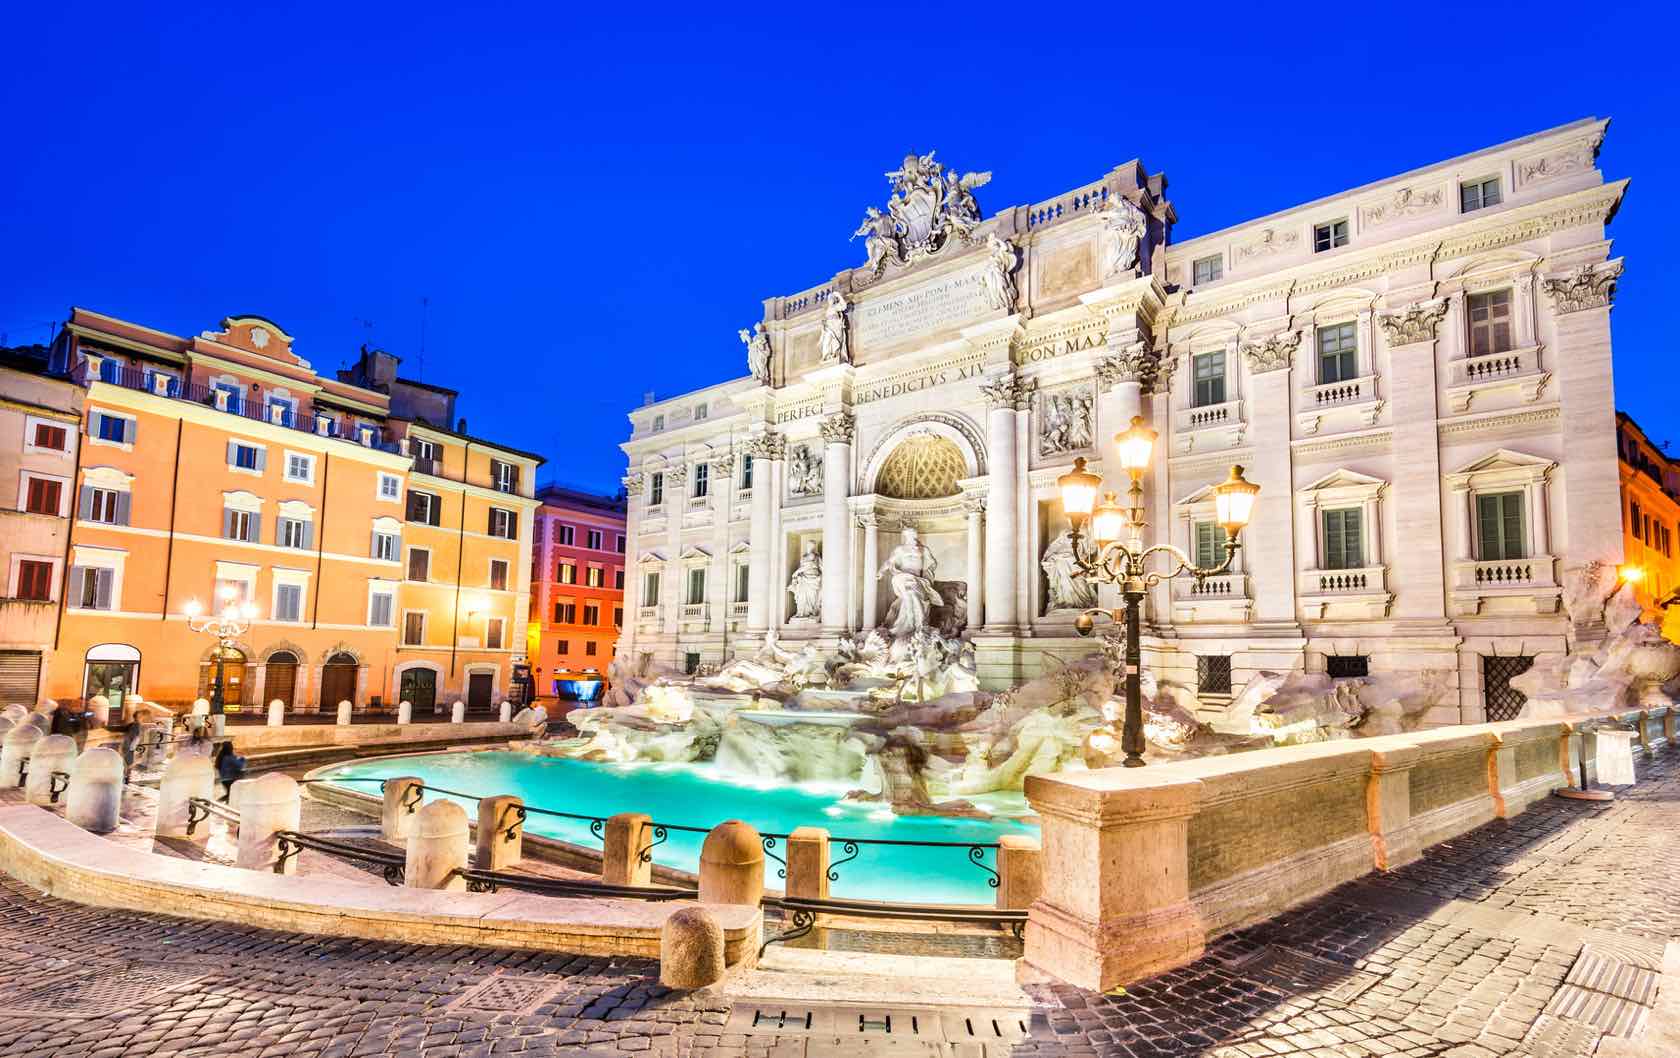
x=1499, y=525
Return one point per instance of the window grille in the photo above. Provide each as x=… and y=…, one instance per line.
x=1502, y=701
x=1213, y=674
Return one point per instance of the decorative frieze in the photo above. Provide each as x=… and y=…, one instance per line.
x=1571, y=158
x=837, y=428
x=632, y=483
x=1269, y=241
x=1415, y=323
x=1592, y=286
x=1008, y=391
x=1406, y=202
x=1276, y=353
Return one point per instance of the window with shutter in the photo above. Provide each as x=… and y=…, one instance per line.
x=419, y=563
x=385, y=546
x=44, y=496
x=696, y=586
x=498, y=574
x=1343, y=539
x=1490, y=322
x=1208, y=545
x=34, y=580
x=1499, y=524
x=288, y=602
x=50, y=437
x=414, y=629
x=650, y=590
x=379, y=611
x=1338, y=353
x=493, y=632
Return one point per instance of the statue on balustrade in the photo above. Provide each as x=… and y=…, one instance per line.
x=806, y=584
x=1068, y=591
x=757, y=342
x=910, y=570
x=834, y=347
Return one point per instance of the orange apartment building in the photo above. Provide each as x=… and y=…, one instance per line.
x=386, y=553
x=577, y=597
x=1650, y=521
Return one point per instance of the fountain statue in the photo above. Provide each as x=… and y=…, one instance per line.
x=896, y=714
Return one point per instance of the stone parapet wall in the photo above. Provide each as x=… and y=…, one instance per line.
x=304, y=736
x=1142, y=866
x=65, y=861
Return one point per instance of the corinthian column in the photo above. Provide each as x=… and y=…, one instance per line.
x=975, y=506
x=870, y=523
x=1005, y=394
x=837, y=523
x=1271, y=533
x=765, y=451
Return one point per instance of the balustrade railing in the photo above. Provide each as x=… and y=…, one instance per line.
x=1348, y=391
x=1209, y=415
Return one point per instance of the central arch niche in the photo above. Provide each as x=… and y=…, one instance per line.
x=926, y=467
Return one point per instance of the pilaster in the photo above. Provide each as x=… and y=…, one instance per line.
x=1271, y=533
x=1419, y=565
x=837, y=523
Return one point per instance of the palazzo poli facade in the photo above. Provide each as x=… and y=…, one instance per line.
x=1416, y=372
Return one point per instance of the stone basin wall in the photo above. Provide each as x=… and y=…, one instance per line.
x=1143, y=866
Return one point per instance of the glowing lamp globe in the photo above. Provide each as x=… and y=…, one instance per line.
x=248, y=611
x=1108, y=521
x=193, y=608
x=1079, y=490
x=1632, y=574
x=1233, y=499
x=1137, y=443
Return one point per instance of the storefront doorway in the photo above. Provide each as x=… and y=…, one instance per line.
x=112, y=669
x=418, y=687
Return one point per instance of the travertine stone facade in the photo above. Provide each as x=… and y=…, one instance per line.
x=1397, y=366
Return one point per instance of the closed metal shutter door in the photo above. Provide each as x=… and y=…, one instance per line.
x=20, y=677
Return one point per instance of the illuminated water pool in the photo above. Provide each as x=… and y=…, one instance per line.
x=699, y=796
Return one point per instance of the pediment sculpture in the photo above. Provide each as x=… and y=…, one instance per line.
x=930, y=208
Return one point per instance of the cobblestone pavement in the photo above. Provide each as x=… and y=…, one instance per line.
x=1528, y=937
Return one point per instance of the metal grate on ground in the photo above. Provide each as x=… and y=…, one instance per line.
x=505, y=994
x=95, y=994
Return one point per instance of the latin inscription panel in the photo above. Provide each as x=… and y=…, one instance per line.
x=949, y=302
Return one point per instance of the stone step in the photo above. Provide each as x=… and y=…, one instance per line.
x=810, y=975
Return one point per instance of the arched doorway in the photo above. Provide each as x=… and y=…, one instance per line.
x=280, y=678
x=418, y=687
x=338, y=682
x=113, y=669
x=233, y=678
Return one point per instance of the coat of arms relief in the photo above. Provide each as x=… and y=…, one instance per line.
x=930, y=208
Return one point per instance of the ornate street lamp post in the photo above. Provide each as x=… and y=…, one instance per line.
x=1110, y=560
x=227, y=627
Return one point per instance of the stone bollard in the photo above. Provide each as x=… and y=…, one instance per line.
x=732, y=865
x=1020, y=867
x=201, y=707
x=807, y=863
x=14, y=753
x=405, y=712
x=621, y=853
x=189, y=775
x=15, y=713
x=276, y=713
x=51, y=753
x=94, y=802
x=343, y=714
x=690, y=949
x=269, y=804
x=218, y=725
x=236, y=792
x=5, y=726
x=501, y=833
x=402, y=801
x=458, y=713
x=100, y=706
x=437, y=848
x=505, y=714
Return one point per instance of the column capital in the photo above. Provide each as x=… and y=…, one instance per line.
x=1274, y=354
x=632, y=482
x=1008, y=391
x=1131, y=363
x=974, y=504
x=1415, y=323
x=837, y=429
x=1591, y=286
x=767, y=445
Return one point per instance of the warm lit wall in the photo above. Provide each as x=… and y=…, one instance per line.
x=549, y=553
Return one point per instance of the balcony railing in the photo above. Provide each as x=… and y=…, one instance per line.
x=298, y=416
x=1209, y=416
x=1342, y=581
x=1225, y=586
x=1332, y=394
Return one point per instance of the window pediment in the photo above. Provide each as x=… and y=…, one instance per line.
x=242, y=501
x=296, y=509
x=107, y=477
x=1344, y=485
x=1503, y=466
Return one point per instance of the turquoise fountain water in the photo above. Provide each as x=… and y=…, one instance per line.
x=700, y=796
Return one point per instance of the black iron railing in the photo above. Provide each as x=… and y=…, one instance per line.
x=493, y=881
x=59, y=783
x=802, y=913
x=392, y=865
x=200, y=809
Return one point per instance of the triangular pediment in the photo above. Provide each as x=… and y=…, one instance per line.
x=652, y=558
x=695, y=552
x=1202, y=495
x=1505, y=459
x=1342, y=478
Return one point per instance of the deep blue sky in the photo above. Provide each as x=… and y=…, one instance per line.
x=595, y=197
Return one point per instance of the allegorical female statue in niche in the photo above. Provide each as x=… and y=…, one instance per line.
x=1067, y=590
x=806, y=584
